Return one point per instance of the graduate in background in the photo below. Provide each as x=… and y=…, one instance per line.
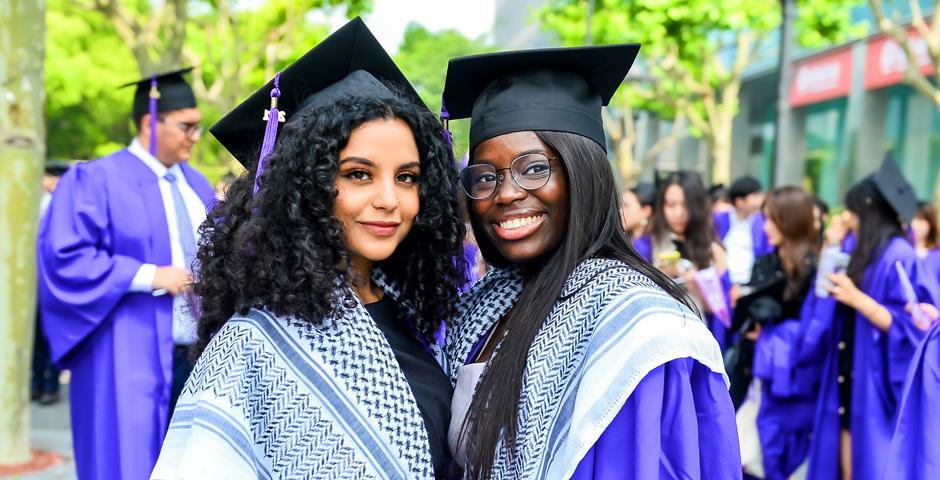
x=871, y=340
x=924, y=228
x=115, y=253
x=637, y=204
x=593, y=360
x=741, y=229
x=45, y=374
x=682, y=242
x=782, y=283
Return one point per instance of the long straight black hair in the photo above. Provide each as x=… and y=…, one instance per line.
x=877, y=225
x=593, y=231
x=699, y=231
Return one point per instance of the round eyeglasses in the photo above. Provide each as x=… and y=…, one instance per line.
x=530, y=172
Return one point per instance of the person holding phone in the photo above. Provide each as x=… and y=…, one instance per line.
x=682, y=243
x=871, y=339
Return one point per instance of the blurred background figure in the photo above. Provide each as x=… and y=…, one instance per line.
x=637, y=209
x=924, y=229
x=682, y=241
x=44, y=387
x=770, y=317
x=741, y=229
x=873, y=338
x=820, y=217
x=719, y=196
x=115, y=254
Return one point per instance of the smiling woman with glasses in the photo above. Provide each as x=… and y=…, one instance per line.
x=529, y=171
x=583, y=348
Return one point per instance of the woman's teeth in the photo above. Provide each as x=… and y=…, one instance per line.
x=519, y=222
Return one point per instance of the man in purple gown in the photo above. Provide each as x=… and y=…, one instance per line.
x=115, y=255
x=741, y=229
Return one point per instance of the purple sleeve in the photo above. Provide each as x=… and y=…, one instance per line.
x=644, y=246
x=684, y=408
x=722, y=223
x=719, y=329
x=914, y=447
x=903, y=335
x=80, y=281
x=761, y=246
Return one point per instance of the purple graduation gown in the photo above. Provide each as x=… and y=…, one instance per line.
x=105, y=220
x=678, y=423
x=759, y=243
x=644, y=246
x=789, y=382
x=915, y=446
x=880, y=365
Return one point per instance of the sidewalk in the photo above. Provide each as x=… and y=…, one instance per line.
x=50, y=431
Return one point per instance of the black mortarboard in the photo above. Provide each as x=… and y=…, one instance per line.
x=896, y=190
x=174, y=92
x=161, y=92
x=57, y=168
x=350, y=62
x=558, y=89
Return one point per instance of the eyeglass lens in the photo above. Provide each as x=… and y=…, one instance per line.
x=529, y=172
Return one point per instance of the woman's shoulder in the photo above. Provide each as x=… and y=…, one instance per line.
x=253, y=330
x=899, y=248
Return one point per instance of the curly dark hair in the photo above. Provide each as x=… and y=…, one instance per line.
x=284, y=250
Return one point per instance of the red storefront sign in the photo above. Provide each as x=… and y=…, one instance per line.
x=886, y=60
x=822, y=78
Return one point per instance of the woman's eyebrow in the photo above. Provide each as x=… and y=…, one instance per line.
x=520, y=154
x=363, y=161
x=409, y=165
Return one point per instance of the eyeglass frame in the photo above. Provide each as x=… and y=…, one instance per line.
x=500, y=177
x=190, y=129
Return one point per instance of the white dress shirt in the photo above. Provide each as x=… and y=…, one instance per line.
x=740, y=247
x=184, y=325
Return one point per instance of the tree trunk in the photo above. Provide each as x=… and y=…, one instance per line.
x=719, y=146
x=22, y=149
x=783, y=135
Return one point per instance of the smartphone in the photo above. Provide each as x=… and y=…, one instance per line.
x=832, y=260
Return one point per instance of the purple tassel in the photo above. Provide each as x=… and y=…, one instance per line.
x=273, y=116
x=154, y=96
x=445, y=119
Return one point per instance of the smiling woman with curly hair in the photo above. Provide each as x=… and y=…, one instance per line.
x=322, y=283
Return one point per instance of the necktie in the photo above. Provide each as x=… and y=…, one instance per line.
x=183, y=223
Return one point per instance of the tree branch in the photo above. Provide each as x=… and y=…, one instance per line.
x=679, y=131
x=912, y=74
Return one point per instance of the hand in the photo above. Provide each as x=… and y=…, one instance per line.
x=843, y=289
x=671, y=270
x=688, y=278
x=174, y=280
x=753, y=335
x=929, y=310
x=734, y=295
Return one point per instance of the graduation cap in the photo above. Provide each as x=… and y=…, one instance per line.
x=56, y=168
x=557, y=89
x=161, y=92
x=895, y=189
x=348, y=63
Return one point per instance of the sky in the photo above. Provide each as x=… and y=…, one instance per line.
x=389, y=18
